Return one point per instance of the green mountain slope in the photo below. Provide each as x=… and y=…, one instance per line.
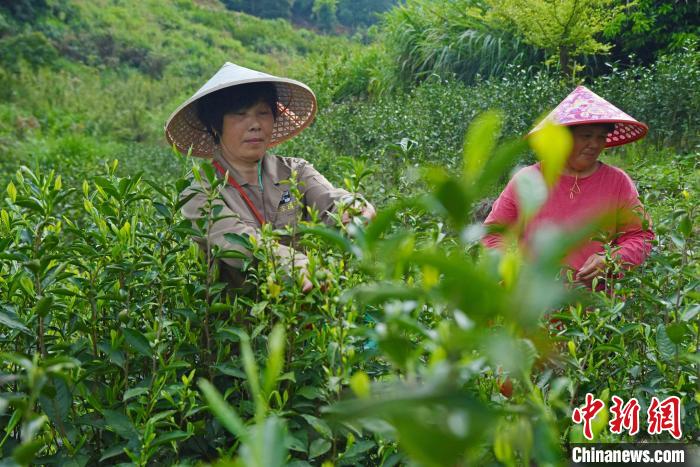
x=98, y=76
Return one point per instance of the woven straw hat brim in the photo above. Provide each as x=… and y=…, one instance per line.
x=584, y=107
x=296, y=106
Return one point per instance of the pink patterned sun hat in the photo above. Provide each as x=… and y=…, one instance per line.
x=583, y=107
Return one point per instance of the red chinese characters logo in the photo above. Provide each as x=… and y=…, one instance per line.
x=665, y=416
x=586, y=413
x=661, y=416
x=624, y=416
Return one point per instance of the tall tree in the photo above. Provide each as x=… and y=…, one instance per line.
x=274, y=8
x=564, y=28
x=302, y=9
x=354, y=13
x=650, y=27
x=262, y=8
x=24, y=10
x=324, y=14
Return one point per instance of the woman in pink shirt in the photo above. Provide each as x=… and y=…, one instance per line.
x=586, y=189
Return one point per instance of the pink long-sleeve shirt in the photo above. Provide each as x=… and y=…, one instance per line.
x=607, y=190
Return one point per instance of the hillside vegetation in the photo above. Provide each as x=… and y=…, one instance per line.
x=102, y=77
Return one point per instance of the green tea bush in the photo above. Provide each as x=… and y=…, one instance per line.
x=127, y=308
x=433, y=115
x=119, y=344
x=649, y=91
x=436, y=113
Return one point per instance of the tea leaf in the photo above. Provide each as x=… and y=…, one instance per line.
x=479, y=143
x=11, y=320
x=532, y=193
x=676, y=332
x=134, y=392
x=275, y=360
x=171, y=437
x=319, y=447
x=664, y=344
x=120, y=424
x=113, y=451
x=319, y=425
x=360, y=384
x=12, y=192
x=222, y=411
x=25, y=453
x=552, y=145
x=138, y=342
x=57, y=407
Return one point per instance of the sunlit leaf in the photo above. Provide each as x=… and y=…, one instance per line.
x=552, y=145
x=479, y=143
x=360, y=384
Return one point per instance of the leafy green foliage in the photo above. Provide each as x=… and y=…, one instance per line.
x=324, y=13
x=470, y=39
x=649, y=89
x=321, y=14
x=262, y=8
x=432, y=117
x=32, y=48
x=566, y=28
x=403, y=312
x=25, y=10
x=425, y=37
x=650, y=28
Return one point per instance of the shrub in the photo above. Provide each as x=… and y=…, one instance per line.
x=416, y=339
x=32, y=48
x=664, y=94
x=444, y=38
x=435, y=113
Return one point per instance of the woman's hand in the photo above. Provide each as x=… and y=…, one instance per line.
x=594, y=266
x=306, y=284
x=321, y=278
x=367, y=212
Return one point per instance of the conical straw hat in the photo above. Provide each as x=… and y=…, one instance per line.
x=296, y=105
x=583, y=107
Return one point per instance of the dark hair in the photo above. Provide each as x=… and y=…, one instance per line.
x=608, y=126
x=212, y=107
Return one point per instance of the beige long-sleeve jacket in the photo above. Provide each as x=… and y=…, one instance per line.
x=275, y=202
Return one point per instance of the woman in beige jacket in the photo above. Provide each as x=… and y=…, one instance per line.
x=234, y=119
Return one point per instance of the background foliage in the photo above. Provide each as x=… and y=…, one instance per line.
x=325, y=15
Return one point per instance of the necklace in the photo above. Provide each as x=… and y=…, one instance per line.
x=575, y=189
